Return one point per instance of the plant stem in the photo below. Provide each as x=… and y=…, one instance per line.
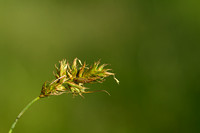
x=21, y=113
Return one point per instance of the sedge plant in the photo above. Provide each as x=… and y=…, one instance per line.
x=71, y=79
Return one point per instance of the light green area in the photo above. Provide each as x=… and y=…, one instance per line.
x=153, y=47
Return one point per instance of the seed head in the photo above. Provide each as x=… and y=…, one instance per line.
x=72, y=78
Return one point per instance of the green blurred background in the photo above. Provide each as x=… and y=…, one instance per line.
x=152, y=46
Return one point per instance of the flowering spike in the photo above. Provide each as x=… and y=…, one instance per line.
x=72, y=78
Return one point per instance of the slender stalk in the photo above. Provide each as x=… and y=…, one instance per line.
x=21, y=113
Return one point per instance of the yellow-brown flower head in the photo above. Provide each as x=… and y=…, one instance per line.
x=71, y=79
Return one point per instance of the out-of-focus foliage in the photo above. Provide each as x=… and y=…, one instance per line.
x=152, y=46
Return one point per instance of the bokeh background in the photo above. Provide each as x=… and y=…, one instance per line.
x=153, y=46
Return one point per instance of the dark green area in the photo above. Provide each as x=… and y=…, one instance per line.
x=153, y=47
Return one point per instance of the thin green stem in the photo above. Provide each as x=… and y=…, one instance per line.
x=21, y=113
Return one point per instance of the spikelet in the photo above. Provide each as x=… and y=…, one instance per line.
x=71, y=78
